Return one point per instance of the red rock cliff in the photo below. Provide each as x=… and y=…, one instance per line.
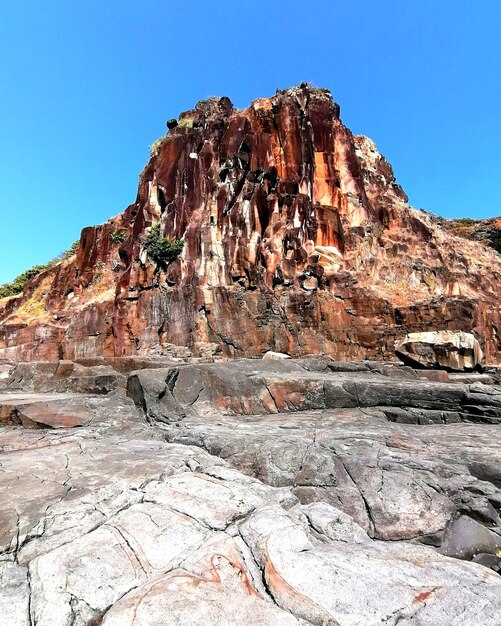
x=296, y=238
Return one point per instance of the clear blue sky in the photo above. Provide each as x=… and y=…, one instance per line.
x=86, y=87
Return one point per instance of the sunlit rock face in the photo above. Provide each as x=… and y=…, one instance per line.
x=443, y=350
x=297, y=239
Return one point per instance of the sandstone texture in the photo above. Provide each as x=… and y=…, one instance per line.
x=297, y=239
x=289, y=492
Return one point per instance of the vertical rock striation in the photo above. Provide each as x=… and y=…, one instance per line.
x=297, y=238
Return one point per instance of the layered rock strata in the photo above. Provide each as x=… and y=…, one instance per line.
x=297, y=239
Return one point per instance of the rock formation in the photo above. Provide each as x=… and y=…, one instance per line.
x=137, y=489
x=487, y=231
x=441, y=350
x=297, y=239
x=288, y=492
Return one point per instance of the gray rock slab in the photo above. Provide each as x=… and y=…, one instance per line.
x=179, y=505
x=247, y=387
x=399, y=481
x=320, y=566
x=465, y=538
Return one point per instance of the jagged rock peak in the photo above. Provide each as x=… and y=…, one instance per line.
x=221, y=107
x=306, y=92
x=210, y=108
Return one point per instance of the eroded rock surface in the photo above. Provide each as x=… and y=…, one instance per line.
x=487, y=231
x=139, y=531
x=297, y=239
x=443, y=349
x=247, y=387
x=197, y=511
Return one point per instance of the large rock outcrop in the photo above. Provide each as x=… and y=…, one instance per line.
x=297, y=239
x=487, y=231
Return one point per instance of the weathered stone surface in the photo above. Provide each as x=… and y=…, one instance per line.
x=14, y=594
x=213, y=515
x=398, y=481
x=312, y=567
x=466, y=538
x=492, y=561
x=247, y=387
x=487, y=231
x=449, y=350
x=288, y=492
x=297, y=239
x=131, y=530
x=43, y=411
x=62, y=376
x=64, y=410
x=275, y=356
x=221, y=594
x=437, y=376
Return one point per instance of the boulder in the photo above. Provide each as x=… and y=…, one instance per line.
x=275, y=356
x=465, y=538
x=451, y=350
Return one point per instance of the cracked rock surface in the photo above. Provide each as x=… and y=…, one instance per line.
x=182, y=505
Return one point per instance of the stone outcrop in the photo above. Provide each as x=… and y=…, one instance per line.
x=443, y=349
x=487, y=231
x=249, y=387
x=297, y=239
x=330, y=493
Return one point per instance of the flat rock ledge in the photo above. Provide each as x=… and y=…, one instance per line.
x=249, y=492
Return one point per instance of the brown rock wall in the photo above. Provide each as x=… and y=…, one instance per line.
x=297, y=238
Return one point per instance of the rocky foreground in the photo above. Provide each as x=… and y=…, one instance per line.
x=248, y=492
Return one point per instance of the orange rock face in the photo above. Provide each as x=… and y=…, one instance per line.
x=297, y=239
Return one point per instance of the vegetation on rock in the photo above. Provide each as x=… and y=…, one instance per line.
x=156, y=144
x=73, y=249
x=185, y=122
x=160, y=249
x=17, y=285
x=19, y=282
x=487, y=231
x=119, y=236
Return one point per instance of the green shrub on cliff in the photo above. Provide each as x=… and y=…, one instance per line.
x=19, y=282
x=119, y=236
x=160, y=249
x=156, y=144
x=464, y=221
x=185, y=122
x=73, y=249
